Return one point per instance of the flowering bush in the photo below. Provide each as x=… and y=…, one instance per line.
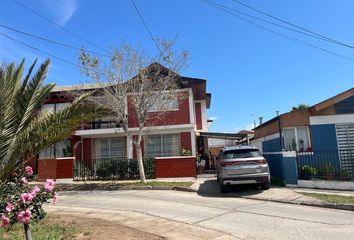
x=20, y=203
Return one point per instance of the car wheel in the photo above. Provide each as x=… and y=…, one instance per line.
x=265, y=185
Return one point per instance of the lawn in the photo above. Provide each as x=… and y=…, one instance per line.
x=47, y=229
x=331, y=198
x=79, y=227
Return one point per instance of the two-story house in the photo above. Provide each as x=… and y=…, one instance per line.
x=164, y=138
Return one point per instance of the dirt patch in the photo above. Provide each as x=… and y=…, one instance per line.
x=92, y=228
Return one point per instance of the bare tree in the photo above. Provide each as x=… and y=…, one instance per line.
x=131, y=81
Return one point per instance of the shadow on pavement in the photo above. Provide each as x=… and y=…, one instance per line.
x=211, y=188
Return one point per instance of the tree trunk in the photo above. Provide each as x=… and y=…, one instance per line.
x=140, y=162
x=28, y=235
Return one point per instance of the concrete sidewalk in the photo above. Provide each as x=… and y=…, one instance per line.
x=209, y=186
x=324, y=191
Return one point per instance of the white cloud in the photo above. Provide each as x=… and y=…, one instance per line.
x=62, y=10
x=213, y=118
x=67, y=10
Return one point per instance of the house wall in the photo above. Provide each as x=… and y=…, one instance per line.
x=323, y=137
x=345, y=106
x=295, y=118
x=174, y=167
x=180, y=116
x=273, y=145
x=198, y=116
x=267, y=130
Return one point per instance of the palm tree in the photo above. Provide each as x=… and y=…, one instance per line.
x=24, y=132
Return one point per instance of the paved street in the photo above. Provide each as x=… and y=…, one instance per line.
x=235, y=218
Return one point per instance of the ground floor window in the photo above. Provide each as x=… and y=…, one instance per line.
x=58, y=150
x=296, y=139
x=162, y=145
x=109, y=147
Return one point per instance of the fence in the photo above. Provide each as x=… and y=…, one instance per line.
x=326, y=164
x=112, y=169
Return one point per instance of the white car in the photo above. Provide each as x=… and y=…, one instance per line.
x=242, y=165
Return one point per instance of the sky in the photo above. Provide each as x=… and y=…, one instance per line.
x=249, y=71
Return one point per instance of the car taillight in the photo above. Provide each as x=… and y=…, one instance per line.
x=231, y=163
x=262, y=161
x=224, y=164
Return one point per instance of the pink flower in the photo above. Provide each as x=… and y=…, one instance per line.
x=24, y=216
x=49, y=185
x=23, y=180
x=35, y=190
x=9, y=207
x=26, y=197
x=5, y=221
x=29, y=171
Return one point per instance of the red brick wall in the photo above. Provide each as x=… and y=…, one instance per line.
x=186, y=141
x=175, y=167
x=86, y=150
x=180, y=116
x=65, y=168
x=198, y=116
x=47, y=168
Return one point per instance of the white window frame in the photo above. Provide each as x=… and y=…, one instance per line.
x=174, y=98
x=109, y=148
x=55, y=155
x=296, y=138
x=162, y=144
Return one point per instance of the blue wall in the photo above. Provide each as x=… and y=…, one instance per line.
x=282, y=167
x=323, y=137
x=273, y=145
x=345, y=106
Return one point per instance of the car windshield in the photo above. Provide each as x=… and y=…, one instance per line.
x=241, y=153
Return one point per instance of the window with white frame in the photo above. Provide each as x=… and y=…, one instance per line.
x=109, y=148
x=58, y=150
x=296, y=139
x=162, y=103
x=162, y=145
x=51, y=108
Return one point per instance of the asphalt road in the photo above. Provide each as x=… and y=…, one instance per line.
x=240, y=218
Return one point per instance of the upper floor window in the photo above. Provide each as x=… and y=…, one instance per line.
x=53, y=108
x=164, y=104
x=162, y=145
x=296, y=139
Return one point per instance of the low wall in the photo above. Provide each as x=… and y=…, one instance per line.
x=53, y=168
x=173, y=167
x=283, y=165
x=325, y=184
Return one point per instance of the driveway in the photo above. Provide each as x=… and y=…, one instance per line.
x=182, y=215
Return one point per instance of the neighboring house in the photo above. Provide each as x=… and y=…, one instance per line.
x=323, y=133
x=164, y=137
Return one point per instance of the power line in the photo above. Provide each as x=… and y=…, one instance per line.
x=146, y=27
x=301, y=31
x=39, y=50
x=299, y=41
x=51, y=41
x=58, y=25
x=292, y=24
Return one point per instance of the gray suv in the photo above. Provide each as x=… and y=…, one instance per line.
x=242, y=165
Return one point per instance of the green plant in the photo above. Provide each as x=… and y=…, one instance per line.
x=21, y=204
x=23, y=131
x=326, y=169
x=186, y=152
x=308, y=171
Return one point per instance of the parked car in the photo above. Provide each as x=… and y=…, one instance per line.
x=242, y=165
